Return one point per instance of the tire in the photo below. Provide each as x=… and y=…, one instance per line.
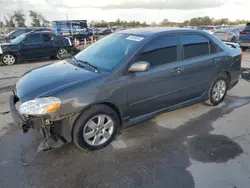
x=243, y=49
x=86, y=138
x=61, y=53
x=216, y=99
x=233, y=39
x=9, y=59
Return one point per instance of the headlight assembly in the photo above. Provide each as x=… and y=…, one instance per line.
x=40, y=106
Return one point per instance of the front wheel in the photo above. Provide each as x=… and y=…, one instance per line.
x=96, y=128
x=218, y=90
x=9, y=59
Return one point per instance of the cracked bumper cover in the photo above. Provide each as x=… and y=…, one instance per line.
x=19, y=119
x=53, y=137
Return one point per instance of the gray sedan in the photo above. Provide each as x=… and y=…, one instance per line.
x=228, y=34
x=123, y=79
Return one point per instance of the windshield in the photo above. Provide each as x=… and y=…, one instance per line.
x=108, y=52
x=18, y=39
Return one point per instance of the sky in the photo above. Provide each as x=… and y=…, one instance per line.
x=140, y=10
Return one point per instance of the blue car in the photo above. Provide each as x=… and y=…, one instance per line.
x=35, y=45
x=244, y=39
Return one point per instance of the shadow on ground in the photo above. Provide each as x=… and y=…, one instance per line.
x=152, y=156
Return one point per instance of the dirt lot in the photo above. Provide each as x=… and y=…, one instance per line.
x=198, y=146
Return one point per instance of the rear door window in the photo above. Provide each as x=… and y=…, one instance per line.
x=194, y=45
x=161, y=51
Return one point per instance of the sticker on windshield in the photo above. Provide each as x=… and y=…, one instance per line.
x=135, y=38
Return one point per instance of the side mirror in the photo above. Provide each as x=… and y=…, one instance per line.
x=140, y=66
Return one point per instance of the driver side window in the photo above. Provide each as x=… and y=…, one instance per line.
x=48, y=37
x=33, y=38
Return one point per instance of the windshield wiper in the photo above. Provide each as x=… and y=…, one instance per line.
x=80, y=62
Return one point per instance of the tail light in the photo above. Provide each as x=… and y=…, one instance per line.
x=242, y=32
x=211, y=30
x=226, y=33
x=6, y=38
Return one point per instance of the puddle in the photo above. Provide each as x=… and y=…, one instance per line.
x=213, y=148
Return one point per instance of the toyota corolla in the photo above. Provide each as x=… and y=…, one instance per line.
x=123, y=79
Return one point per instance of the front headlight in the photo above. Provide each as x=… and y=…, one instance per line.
x=40, y=106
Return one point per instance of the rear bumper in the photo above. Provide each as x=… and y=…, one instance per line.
x=244, y=43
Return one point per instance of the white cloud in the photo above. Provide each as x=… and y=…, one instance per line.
x=142, y=10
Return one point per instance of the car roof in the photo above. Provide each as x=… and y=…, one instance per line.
x=41, y=32
x=154, y=30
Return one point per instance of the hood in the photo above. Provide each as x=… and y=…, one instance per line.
x=5, y=47
x=46, y=80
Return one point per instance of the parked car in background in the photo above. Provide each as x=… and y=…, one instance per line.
x=209, y=29
x=124, y=78
x=244, y=39
x=17, y=32
x=228, y=34
x=105, y=32
x=34, y=45
x=2, y=36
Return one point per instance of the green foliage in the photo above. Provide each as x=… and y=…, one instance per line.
x=211, y=21
x=19, y=18
x=38, y=20
x=118, y=22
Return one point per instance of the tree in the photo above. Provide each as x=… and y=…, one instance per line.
x=9, y=20
x=19, y=18
x=35, y=20
x=186, y=23
x=153, y=24
x=38, y=20
x=1, y=24
x=165, y=22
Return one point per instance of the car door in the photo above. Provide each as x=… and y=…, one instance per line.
x=31, y=47
x=199, y=65
x=48, y=45
x=158, y=87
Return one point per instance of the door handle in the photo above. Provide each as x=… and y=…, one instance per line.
x=216, y=60
x=177, y=70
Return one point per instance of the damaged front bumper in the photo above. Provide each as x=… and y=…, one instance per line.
x=51, y=138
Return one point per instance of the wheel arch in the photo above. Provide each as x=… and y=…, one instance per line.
x=109, y=104
x=12, y=53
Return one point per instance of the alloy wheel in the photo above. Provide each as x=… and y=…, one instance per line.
x=219, y=90
x=9, y=59
x=62, y=52
x=98, y=130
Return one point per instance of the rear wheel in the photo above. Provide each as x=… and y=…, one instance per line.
x=243, y=49
x=62, y=53
x=233, y=39
x=96, y=128
x=9, y=59
x=218, y=90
